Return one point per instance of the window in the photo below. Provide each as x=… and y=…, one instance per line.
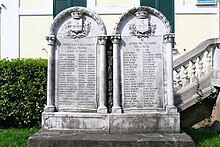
x=60, y=5
x=206, y=2
x=164, y=6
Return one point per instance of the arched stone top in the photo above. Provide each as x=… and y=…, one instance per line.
x=150, y=10
x=65, y=14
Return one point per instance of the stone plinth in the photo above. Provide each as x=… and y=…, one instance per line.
x=144, y=123
x=76, y=122
x=68, y=139
x=112, y=123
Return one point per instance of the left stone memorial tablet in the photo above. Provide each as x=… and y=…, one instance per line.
x=76, y=72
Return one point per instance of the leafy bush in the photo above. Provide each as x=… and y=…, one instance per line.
x=22, y=92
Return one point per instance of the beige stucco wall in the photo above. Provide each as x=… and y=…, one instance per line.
x=189, y=2
x=192, y=29
x=110, y=22
x=31, y=3
x=114, y=9
x=33, y=30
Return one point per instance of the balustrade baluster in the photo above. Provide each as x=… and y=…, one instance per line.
x=209, y=60
x=178, y=80
x=200, y=67
x=185, y=75
x=193, y=71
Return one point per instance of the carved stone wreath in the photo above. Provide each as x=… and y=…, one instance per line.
x=146, y=34
x=86, y=27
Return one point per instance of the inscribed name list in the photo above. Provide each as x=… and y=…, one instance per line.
x=142, y=72
x=76, y=80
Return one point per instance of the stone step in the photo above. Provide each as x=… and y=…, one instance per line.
x=68, y=139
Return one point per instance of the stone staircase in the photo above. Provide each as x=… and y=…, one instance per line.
x=197, y=76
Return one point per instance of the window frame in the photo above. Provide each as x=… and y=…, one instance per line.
x=70, y=3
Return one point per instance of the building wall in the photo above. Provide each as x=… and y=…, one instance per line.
x=189, y=2
x=194, y=24
x=29, y=22
x=31, y=3
x=110, y=11
x=33, y=30
x=31, y=45
x=35, y=19
x=191, y=29
x=110, y=22
x=9, y=40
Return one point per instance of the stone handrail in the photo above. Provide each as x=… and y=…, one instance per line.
x=195, y=63
x=202, y=47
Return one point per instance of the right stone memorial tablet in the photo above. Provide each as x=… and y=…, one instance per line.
x=145, y=58
x=142, y=72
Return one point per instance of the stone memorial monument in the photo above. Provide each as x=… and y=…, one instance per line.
x=143, y=88
x=77, y=113
x=76, y=96
x=142, y=74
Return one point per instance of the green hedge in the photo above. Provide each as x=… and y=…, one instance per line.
x=23, y=85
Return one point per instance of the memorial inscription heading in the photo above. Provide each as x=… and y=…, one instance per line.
x=142, y=72
x=76, y=79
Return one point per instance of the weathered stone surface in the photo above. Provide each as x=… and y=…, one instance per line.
x=190, y=117
x=143, y=60
x=76, y=76
x=138, y=68
x=142, y=54
x=69, y=139
x=76, y=122
x=109, y=75
x=144, y=123
x=216, y=110
x=142, y=73
x=75, y=73
x=140, y=88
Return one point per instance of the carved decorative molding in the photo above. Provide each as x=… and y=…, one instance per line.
x=142, y=27
x=77, y=29
x=149, y=10
x=72, y=12
x=102, y=40
x=168, y=38
x=115, y=39
x=51, y=40
x=140, y=34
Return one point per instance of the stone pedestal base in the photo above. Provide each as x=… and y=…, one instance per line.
x=145, y=123
x=68, y=139
x=151, y=122
x=76, y=122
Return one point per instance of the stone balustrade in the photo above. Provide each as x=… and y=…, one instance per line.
x=195, y=64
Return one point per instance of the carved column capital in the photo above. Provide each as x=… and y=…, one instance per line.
x=102, y=40
x=115, y=39
x=168, y=38
x=51, y=40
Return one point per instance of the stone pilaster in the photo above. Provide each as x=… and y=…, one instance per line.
x=103, y=73
x=116, y=75
x=51, y=74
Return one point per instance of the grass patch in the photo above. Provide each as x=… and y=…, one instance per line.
x=204, y=138
x=15, y=137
